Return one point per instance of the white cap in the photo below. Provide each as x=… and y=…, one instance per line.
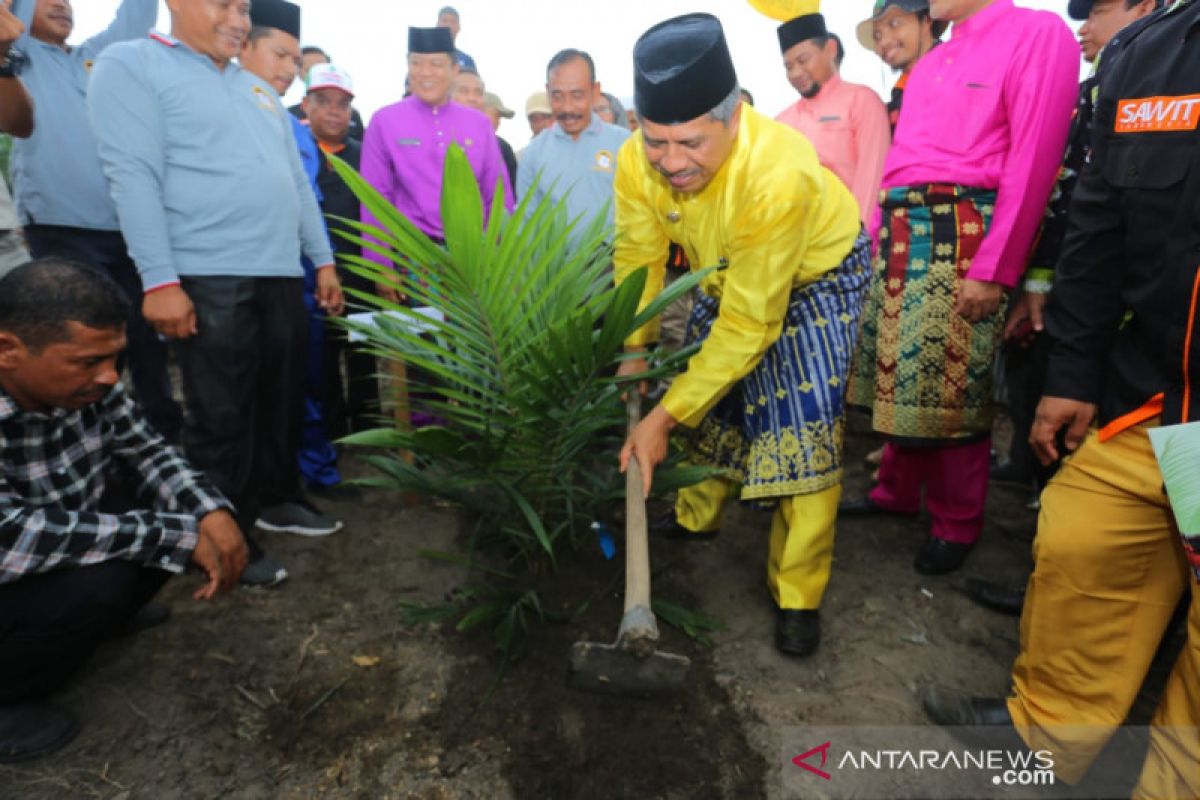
x=327, y=76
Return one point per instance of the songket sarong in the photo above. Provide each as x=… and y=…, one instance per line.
x=923, y=371
x=779, y=430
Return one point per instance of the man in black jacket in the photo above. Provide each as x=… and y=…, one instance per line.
x=1111, y=563
x=350, y=402
x=310, y=57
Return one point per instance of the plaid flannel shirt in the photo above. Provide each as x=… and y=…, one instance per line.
x=53, y=468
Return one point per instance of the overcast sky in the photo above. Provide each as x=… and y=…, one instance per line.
x=511, y=41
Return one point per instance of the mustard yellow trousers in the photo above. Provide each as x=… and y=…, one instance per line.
x=1109, y=571
x=801, y=550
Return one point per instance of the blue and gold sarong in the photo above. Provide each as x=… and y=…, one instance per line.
x=779, y=430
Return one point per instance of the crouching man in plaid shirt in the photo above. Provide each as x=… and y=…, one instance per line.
x=74, y=569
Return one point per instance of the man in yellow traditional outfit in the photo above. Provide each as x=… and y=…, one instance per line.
x=762, y=399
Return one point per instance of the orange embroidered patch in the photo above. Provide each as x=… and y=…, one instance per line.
x=1158, y=114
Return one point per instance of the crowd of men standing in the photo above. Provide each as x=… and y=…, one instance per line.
x=864, y=254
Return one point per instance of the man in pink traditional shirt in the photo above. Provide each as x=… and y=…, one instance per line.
x=985, y=122
x=846, y=122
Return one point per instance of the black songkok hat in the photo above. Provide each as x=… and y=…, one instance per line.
x=278, y=14
x=682, y=69
x=430, y=40
x=801, y=29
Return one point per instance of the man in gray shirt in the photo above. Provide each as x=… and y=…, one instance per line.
x=60, y=189
x=16, y=119
x=217, y=210
x=576, y=159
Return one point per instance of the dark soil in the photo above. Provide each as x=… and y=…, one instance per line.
x=322, y=689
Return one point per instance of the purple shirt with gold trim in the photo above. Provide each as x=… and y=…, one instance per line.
x=405, y=150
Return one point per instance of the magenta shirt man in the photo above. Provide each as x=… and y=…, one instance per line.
x=972, y=163
x=992, y=108
x=406, y=144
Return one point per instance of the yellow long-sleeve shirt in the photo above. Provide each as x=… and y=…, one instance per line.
x=772, y=219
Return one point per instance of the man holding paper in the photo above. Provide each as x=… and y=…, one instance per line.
x=1115, y=552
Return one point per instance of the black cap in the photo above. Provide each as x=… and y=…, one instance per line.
x=682, y=69
x=1079, y=10
x=430, y=40
x=801, y=29
x=278, y=14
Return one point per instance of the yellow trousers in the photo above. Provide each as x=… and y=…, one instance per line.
x=1109, y=571
x=801, y=549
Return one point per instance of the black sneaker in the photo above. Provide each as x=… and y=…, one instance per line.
x=264, y=572
x=298, y=518
x=33, y=730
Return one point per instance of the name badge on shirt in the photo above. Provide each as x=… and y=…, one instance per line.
x=604, y=161
x=1158, y=114
x=409, y=142
x=833, y=118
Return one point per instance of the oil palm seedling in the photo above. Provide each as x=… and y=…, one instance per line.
x=510, y=334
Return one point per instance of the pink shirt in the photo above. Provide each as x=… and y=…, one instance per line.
x=848, y=125
x=991, y=109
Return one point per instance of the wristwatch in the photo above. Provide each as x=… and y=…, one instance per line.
x=12, y=65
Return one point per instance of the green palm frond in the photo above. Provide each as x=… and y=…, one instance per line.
x=520, y=369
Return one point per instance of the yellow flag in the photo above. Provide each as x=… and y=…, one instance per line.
x=783, y=10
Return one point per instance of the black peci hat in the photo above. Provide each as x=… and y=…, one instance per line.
x=278, y=14
x=801, y=29
x=682, y=69
x=430, y=40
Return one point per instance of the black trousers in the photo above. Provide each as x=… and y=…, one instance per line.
x=50, y=623
x=350, y=402
x=243, y=382
x=106, y=251
x=1025, y=377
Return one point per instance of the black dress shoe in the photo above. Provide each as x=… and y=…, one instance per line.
x=864, y=507
x=955, y=709
x=668, y=527
x=33, y=730
x=797, y=633
x=977, y=721
x=938, y=556
x=1001, y=597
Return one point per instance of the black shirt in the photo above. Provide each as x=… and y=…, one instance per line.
x=510, y=161
x=1126, y=302
x=339, y=201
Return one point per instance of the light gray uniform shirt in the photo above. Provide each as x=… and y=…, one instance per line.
x=203, y=166
x=56, y=172
x=580, y=170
